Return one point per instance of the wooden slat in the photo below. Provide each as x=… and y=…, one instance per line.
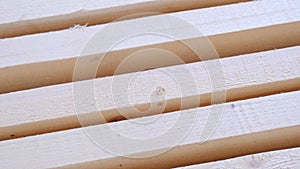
x=52, y=108
x=23, y=17
x=40, y=127
x=50, y=58
x=275, y=159
x=246, y=127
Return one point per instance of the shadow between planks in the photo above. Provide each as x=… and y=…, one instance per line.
x=101, y=16
x=231, y=138
x=229, y=44
x=20, y=77
x=259, y=74
x=220, y=149
x=113, y=115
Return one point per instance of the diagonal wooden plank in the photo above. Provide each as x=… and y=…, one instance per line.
x=128, y=96
x=36, y=17
x=50, y=58
x=246, y=127
x=275, y=159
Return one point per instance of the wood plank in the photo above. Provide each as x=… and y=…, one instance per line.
x=50, y=58
x=36, y=17
x=275, y=159
x=52, y=108
x=246, y=127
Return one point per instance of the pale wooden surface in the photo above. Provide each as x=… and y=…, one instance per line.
x=52, y=56
x=42, y=16
x=34, y=9
x=210, y=21
x=284, y=159
x=252, y=125
x=73, y=146
x=245, y=76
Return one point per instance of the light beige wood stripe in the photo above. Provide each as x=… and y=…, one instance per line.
x=101, y=12
x=50, y=58
x=246, y=127
x=288, y=158
x=52, y=108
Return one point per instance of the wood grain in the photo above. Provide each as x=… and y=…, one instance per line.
x=245, y=128
x=129, y=96
x=50, y=58
x=288, y=158
x=35, y=17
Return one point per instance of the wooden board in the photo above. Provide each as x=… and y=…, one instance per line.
x=52, y=108
x=230, y=139
x=50, y=58
x=36, y=17
x=275, y=159
x=156, y=99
